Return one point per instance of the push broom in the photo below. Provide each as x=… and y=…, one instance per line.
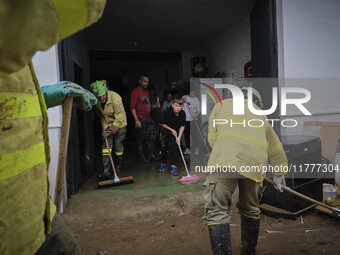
x=188, y=178
x=116, y=180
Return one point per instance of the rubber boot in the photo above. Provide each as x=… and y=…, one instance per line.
x=249, y=234
x=141, y=155
x=118, y=165
x=106, y=174
x=220, y=239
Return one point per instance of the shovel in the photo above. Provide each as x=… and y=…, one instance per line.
x=334, y=211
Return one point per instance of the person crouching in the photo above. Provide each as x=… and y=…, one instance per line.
x=173, y=124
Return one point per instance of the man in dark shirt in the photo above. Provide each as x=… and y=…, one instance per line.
x=173, y=124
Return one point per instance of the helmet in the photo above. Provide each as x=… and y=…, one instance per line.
x=99, y=88
x=255, y=93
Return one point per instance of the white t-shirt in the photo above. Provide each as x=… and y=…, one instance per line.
x=192, y=106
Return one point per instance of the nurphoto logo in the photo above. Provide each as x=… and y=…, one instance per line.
x=238, y=105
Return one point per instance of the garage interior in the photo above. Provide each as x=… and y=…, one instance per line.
x=162, y=39
x=127, y=42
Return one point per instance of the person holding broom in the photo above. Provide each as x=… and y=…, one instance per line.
x=113, y=119
x=173, y=125
x=235, y=147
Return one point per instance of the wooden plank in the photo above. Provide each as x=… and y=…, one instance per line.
x=329, y=135
x=329, y=142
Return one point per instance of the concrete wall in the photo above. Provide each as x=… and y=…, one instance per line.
x=308, y=47
x=229, y=51
x=46, y=67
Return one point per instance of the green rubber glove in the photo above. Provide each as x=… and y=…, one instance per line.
x=55, y=94
x=85, y=101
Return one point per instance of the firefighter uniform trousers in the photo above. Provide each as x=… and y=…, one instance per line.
x=116, y=142
x=218, y=194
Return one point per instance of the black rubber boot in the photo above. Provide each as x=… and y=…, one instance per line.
x=141, y=155
x=118, y=165
x=106, y=174
x=220, y=239
x=249, y=235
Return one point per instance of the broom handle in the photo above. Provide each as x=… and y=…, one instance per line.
x=63, y=145
x=204, y=142
x=199, y=131
x=285, y=188
x=185, y=164
x=113, y=165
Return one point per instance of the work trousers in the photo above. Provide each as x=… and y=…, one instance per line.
x=59, y=241
x=116, y=142
x=218, y=193
x=169, y=147
x=146, y=132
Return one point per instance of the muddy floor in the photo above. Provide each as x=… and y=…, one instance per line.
x=158, y=215
x=185, y=234
x=172, y=224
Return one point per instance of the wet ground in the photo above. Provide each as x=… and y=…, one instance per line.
x=159, y=215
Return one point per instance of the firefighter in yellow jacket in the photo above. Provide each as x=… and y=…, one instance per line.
x=113, y=118
x=28, y=223
x=240, y=149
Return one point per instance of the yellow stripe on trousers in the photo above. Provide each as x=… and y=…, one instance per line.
x=14, y=163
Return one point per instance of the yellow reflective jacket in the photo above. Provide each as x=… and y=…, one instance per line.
x=242, y=142
x=113, y=112
x=27, y=26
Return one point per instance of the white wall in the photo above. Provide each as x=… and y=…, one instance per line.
x=309, y=32
x=46, y=67
x=228, y=51
x=309, y=47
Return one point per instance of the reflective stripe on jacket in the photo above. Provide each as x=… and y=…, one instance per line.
x=113, y=112
x=236, y=143
x=26, y=209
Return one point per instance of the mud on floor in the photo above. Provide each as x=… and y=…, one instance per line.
x=184, y=233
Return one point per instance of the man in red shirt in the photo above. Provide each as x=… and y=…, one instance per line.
x=141, y=107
